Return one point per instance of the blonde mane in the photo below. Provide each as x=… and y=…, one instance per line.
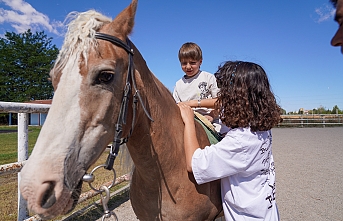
x=80, y=35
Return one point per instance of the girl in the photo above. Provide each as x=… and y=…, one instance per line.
x=243, y=159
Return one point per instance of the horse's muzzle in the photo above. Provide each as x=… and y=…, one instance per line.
x=49, y=197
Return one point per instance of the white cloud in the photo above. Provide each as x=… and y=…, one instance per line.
x=324, y=13
x=22, y=16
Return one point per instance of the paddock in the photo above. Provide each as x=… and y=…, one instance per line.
x=309, y=175
x=309, y=169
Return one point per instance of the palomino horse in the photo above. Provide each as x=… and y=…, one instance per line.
x=90, y=77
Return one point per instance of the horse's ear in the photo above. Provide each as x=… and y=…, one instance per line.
x=124, y=22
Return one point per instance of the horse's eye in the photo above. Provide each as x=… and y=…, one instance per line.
x=105, y=77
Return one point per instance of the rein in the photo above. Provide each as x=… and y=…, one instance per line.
x=125, y=99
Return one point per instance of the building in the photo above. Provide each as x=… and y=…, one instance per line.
x=38, y=118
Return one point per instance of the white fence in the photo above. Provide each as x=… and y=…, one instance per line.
x=23, y=110
x=309, y=120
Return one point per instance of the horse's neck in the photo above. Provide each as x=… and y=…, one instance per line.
x=155, y=139
x=158, y=98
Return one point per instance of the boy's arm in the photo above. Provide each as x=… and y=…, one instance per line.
x=208, y=103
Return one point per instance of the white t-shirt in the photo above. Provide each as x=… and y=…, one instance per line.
x=201, y=86
x=243, y=161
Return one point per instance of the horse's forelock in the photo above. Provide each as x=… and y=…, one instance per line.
x=80, y=35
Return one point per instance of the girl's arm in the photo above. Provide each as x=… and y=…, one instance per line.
x=190, y=139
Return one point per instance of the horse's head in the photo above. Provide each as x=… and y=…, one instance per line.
x=88, y=78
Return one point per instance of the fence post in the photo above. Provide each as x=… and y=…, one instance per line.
x=23, y=147
x=302, y=122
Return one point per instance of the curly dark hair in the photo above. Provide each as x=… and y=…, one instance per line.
x=245, y=98
x=334, y=2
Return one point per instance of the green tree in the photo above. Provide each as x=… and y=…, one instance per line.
x=321, y=110
x=25, y=62
x=336, y=110
x=283, y=111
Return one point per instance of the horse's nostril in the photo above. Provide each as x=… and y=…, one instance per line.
x=49, y=197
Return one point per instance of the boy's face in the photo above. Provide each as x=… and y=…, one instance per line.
x=337, y=40
x=190, y=67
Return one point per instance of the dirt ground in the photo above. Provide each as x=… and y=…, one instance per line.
x=309, y=177
x=309, y=169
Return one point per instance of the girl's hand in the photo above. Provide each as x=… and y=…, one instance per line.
x=187, y=113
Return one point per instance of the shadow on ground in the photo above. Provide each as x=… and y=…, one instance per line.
x=95, y=211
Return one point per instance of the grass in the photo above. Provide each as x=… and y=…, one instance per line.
x=9, y=183
x=9, y=143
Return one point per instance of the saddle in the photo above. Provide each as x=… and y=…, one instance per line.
x=213, y=136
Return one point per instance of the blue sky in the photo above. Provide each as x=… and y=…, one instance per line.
x=289, y=39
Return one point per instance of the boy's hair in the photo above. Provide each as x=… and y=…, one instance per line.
x=245, y=98
x=190, y=50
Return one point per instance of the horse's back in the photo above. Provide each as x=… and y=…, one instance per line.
x=177, y=201
x=167, y=191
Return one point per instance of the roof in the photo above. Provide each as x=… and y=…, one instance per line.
x=39, y=102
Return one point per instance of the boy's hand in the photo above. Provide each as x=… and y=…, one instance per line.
x=209, y=118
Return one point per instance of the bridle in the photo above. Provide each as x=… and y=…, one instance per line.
x=117, y=141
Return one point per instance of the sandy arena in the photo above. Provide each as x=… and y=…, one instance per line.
x=309, y=168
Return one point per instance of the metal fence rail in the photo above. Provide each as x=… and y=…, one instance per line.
x=23, y=110
x=321, y=120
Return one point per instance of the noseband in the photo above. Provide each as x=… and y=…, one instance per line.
x=125, y=99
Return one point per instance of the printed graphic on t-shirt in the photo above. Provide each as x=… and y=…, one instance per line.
x=205, y=92
x=271, y=197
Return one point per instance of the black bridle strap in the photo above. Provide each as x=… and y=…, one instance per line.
x=114, y=40
x=137, y=94
x=125, y=100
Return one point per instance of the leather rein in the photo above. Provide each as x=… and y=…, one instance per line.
x=117, y=141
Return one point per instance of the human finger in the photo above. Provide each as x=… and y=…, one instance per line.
x=187, y=113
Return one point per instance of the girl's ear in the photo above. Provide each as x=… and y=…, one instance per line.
x=200, y=62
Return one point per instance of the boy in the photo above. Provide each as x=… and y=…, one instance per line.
x=196, y=88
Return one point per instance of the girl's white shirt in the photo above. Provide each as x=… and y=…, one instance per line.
x=243, y=161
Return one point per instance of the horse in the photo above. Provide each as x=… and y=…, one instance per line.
x=100, y=77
